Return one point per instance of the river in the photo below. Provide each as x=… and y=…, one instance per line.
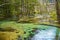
x=47, y=34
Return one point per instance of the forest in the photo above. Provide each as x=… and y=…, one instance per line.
x=28, y=11
x=29, y=19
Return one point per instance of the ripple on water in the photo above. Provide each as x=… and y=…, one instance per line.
x=47, y=34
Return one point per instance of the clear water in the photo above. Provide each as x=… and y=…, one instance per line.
x=47, y=34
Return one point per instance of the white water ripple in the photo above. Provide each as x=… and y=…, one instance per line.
x=48, y=34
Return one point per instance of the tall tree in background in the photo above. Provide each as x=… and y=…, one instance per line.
x=4, y=9
x=22, y=8
x=58, y=10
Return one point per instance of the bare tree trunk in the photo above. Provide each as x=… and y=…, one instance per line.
x=58, y=11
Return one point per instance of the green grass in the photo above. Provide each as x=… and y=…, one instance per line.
x=16, y=25
x=24, y=26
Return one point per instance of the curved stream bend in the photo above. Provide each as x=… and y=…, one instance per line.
x=47, y=34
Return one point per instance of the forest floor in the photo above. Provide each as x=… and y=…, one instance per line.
x=16, y=25
x=24, y=26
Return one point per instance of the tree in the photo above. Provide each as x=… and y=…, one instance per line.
x=4, y=9
x=26, y=8
x=58, y=10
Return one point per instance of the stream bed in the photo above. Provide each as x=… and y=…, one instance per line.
x=46, y=34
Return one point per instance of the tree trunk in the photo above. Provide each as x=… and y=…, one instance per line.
x=58, y=11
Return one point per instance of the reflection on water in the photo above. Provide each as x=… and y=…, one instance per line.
x=47, y=34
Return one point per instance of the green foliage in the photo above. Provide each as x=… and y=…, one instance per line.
x=25, y=10
x=4, y=9
x=28, y=28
